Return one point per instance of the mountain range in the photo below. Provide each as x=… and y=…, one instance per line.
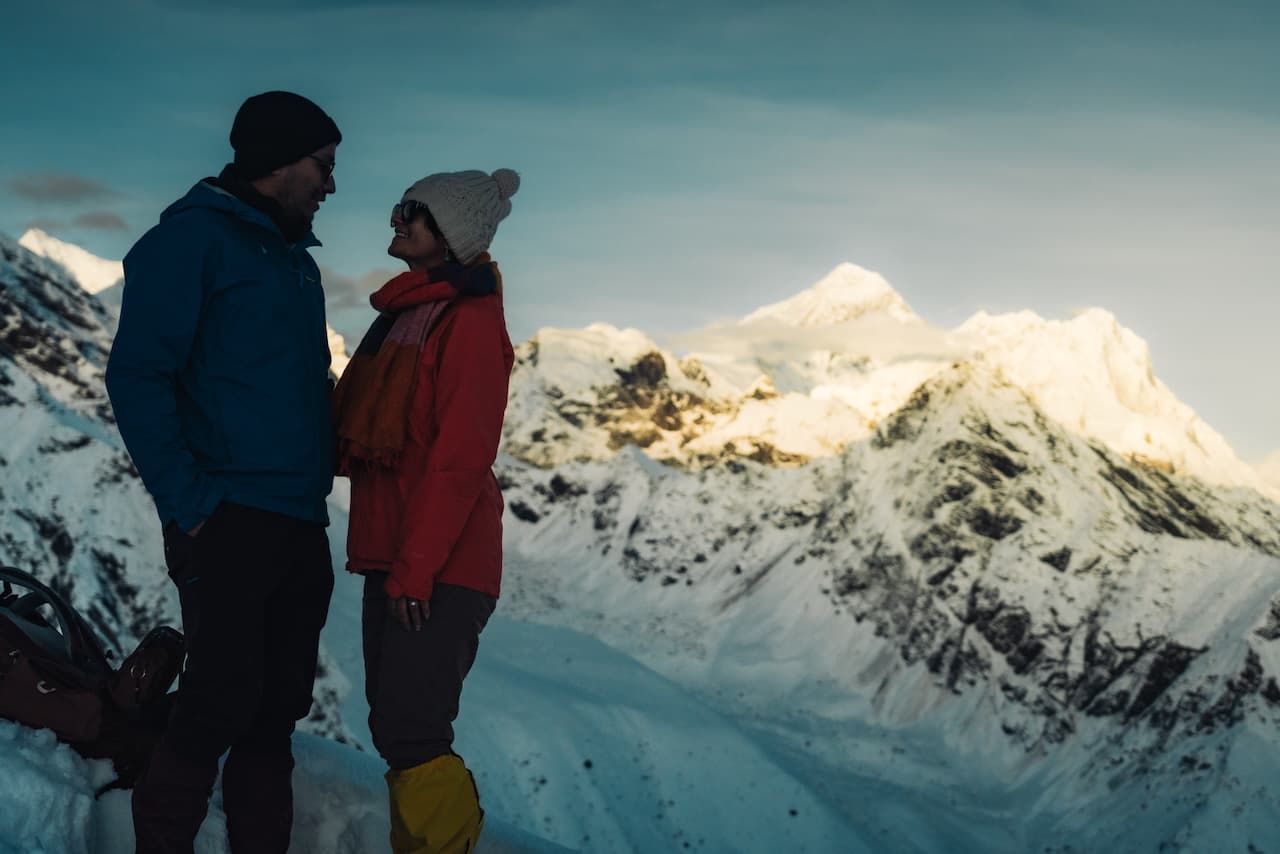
x=991, y=588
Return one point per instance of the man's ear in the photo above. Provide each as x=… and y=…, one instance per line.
x=268, y=182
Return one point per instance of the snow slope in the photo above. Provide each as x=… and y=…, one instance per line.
x=569, y=741
x=93, y=273
x=1269, y=470
x=649, y=742
x=975, y=607
x=983, y=589
x=340, y=804
x=72, y=507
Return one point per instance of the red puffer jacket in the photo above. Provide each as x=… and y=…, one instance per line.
x=437, y=517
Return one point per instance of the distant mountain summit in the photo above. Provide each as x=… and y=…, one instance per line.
x=1096, y=378
x=848, y=292
x=94, y=274
x=806, y=376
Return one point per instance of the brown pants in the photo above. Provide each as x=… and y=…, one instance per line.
x=413, y=680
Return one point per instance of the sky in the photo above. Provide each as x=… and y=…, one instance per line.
x=685, y=163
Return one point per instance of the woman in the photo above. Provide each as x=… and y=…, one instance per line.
x=418, y=414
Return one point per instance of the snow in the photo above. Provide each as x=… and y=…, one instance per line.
x=1269, y=470
x=762, y=655
x=93, y=273
x=576, y=361
x=569, y=741
x=339, y=803
x=50, y=807
x=915, y=764
x=337, y=353
x=1094, y=376
x=848, y=351
x=846, y=293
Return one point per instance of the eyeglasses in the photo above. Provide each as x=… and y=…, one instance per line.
x=326, y=166
x=407, y=210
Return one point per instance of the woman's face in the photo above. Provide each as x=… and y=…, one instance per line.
x=414, y=243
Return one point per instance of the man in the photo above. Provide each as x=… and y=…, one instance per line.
x=219, y=381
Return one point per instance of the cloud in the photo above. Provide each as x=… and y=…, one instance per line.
x=884, y=340
x=101, y=221
x=348, y=291
x=92, y=221
x=58, y=187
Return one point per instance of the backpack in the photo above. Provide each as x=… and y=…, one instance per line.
x=54, y=674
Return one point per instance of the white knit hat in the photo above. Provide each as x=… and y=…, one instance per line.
x=467, y=206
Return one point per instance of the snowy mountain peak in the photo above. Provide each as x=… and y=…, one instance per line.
x=1269, y=469
x=1095, y=376
x=93, y=273
x=848, y=292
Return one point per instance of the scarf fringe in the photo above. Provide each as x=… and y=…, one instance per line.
x=352, y=455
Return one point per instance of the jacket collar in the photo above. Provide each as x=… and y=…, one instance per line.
x=208, y=195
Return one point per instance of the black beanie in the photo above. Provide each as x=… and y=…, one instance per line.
x=277, y=128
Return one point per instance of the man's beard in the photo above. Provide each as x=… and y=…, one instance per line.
x=296, y=222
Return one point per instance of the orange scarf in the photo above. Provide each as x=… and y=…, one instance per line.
x=371, y=401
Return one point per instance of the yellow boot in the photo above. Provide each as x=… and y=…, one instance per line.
x=435, y=808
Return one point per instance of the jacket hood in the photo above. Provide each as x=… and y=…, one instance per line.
x=207, y=196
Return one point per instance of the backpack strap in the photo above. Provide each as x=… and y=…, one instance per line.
x=79, y=642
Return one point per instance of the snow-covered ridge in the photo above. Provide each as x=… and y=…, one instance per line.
x=1096, y=378
x=93, y=273
x=1269, y=470
x=805, y=377
x=103, y=279
x=73, y=509
x=972, y=604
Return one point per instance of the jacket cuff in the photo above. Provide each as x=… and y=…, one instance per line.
x=401, y=582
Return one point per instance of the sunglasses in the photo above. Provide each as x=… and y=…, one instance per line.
x=409, y=209
x=326, y=166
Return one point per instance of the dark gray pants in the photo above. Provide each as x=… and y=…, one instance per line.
x=254, y=588
x=413, y=680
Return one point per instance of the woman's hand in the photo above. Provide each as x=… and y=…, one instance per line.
x=410, y=613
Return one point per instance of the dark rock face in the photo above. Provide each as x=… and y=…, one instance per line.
x=645, y=408
x=647, y=373
x=50, y=328
x=904, y=425
x=1156, y=504
x=1059, y=560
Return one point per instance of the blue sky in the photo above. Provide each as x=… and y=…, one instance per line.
x=684, y=163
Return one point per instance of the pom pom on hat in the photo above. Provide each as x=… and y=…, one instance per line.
x=508, y=182
x=467, y=206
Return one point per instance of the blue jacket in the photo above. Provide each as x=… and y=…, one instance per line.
x=219, y=374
